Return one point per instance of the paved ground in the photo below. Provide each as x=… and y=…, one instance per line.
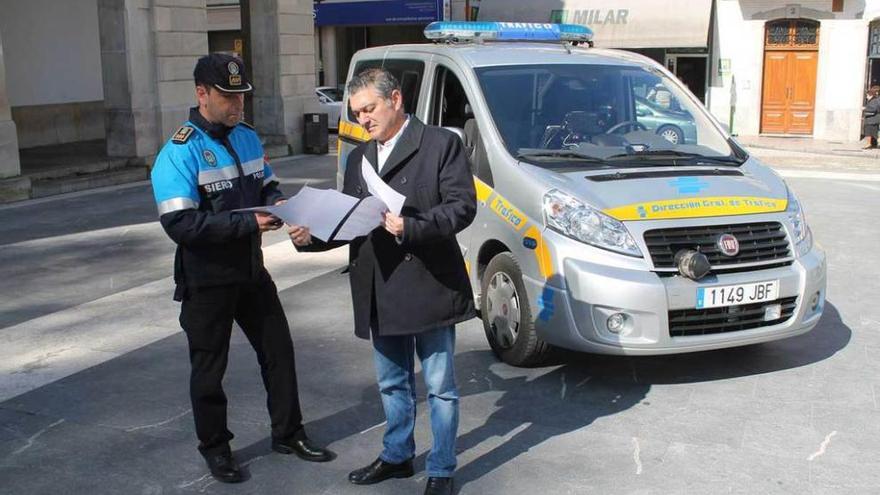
x=93, y=375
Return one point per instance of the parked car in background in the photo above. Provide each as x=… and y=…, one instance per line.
x=677, y=127
x=330, y=100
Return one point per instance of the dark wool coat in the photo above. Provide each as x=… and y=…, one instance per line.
x=417, y=283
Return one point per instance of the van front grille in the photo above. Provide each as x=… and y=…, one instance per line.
x=690, y=322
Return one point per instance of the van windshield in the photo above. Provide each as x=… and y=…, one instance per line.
x=593, y=114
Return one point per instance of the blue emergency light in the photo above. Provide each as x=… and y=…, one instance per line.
x=506, y=31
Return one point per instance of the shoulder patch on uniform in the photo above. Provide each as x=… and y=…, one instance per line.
x=248, y=125
x=182, y=134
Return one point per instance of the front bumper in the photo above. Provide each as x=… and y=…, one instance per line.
x=575, y=317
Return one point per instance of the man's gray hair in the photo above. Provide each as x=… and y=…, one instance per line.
x=383, y=81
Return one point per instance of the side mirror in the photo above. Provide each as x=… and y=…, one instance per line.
x=323, y=99
x=642, y=112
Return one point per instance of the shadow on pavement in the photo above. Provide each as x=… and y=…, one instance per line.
x=574, y=390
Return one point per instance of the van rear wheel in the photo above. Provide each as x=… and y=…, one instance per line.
x=507, y=315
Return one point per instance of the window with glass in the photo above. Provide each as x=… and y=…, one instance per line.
x=408, y=72
x=551, y=114
x=788, y=33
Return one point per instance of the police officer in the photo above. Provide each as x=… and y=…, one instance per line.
x=211, y=166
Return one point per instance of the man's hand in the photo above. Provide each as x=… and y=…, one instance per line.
x=280, y=202
x=299, y=235
x=267, y=221
x=393, y=224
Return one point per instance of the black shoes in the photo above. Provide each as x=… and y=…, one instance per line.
x=224, y=468
x=300, y=445
x=380, y=470
x=439, y=486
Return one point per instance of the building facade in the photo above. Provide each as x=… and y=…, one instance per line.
x=120, y=71
x=761, y=66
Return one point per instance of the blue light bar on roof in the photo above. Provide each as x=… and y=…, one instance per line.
x=507, y=31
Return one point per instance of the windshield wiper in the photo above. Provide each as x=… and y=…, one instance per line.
x=675, y=155
x=559, y=154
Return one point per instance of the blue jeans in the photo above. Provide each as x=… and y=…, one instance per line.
x=397, y=385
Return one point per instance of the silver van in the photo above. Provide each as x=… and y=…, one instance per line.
x=596, y=231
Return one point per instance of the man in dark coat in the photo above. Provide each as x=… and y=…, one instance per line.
x=409, y=284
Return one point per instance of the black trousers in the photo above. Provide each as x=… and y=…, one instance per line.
x=206, y=316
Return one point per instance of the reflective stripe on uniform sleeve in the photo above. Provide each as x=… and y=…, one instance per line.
x=269, y=179
x=175, y=204
x=229, y=172
x=253, y=166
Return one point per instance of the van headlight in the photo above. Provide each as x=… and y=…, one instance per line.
x=800, y=231
x=580, y=221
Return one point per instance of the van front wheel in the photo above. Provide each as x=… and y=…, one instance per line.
x=507, y=315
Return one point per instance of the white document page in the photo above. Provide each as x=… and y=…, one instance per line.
x=321, y=210
x=377, y=187
x=366, y=216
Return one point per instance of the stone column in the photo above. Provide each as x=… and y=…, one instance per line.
x=9, y=162
x=282, y=48
x=181, y=31
x=148, y=51
x=129, y=72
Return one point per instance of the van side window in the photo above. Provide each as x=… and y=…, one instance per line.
x=408, y=72
x=450, y=108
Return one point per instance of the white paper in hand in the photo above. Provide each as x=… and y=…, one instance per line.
x=367, y=215
x=377, y=187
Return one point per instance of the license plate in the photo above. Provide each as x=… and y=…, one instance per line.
x=734, y=295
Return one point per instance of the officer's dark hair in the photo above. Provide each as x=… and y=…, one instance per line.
x=383, y=81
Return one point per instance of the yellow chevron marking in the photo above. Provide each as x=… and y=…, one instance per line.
x=542, y=252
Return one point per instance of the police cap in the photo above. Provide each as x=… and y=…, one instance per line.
x=223, y=72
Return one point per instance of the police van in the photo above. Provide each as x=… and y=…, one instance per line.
x=615, y=214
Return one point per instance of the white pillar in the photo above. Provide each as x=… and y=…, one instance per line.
x=9, y=161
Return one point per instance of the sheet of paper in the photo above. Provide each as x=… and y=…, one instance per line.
x=321, y=210
x=377, y=187
x=366, y=216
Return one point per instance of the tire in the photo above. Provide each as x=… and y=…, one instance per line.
x=671, y=133
x=502, y=299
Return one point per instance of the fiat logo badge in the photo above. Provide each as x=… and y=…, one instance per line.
x=728, y=245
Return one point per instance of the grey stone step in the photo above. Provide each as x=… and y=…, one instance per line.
x=61, y=171
x=79, y=182
x=15, y=189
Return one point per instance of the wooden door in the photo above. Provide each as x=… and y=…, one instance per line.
x=802, y=93
x=789, y=92
x=775, y=107
x=789, y=89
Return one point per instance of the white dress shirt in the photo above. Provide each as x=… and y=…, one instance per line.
x=385, y=148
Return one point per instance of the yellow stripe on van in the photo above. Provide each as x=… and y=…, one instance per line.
x=542, y=252
x=719, y=206
x=353, y=131
x=507, y=212
x=483, y=190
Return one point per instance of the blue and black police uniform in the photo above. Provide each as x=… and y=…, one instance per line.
x=200, y=176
